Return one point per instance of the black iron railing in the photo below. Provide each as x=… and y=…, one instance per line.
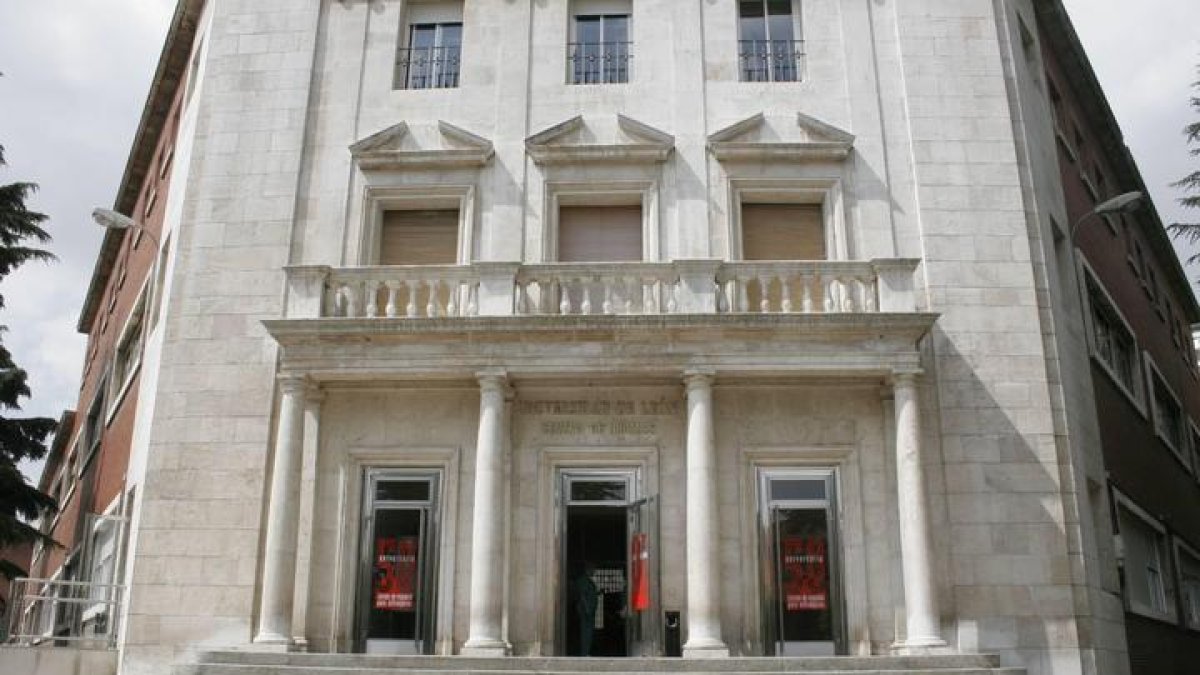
x=598, y=62
x=428, y=67
x=771, y=60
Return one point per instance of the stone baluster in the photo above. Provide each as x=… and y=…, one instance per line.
x=743, y=287
x=923, y=623
x=703, y=559
x=847, y=294
x=829, y=291
x=431, y=303
x=454, y=290
x=607, y=305
x=764, y=290
x=486, y=615
x=283, y=517
x=632, y=287
x=410, y=308
x=371, y=298
x=390, y=309
x=585, y=292
x=806, y=301
x=564, y=296
x=785, y=289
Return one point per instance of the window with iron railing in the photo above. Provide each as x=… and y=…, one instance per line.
x=600, y=53
x=432, y=58
x=768, y=49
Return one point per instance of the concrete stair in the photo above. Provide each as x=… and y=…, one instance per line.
x=260, y=663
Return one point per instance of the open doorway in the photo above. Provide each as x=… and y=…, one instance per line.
x=597, y=558
x=606, y=606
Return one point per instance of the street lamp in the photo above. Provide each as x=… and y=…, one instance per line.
x=111, y=220
x=1122, y=203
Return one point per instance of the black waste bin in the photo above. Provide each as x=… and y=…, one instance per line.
x=674, y=633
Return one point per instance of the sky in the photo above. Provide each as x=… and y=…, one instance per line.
x=76, y=74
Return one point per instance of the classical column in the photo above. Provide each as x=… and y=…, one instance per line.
x=487, y=544
x=922, y=621
x=283, y=514
x=703, y=563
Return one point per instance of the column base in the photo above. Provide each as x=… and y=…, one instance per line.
x=931, y=646
x=271, y=642
x=488, y=648
x=705, y=649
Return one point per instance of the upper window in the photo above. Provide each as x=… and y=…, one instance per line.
x=1147, y=579
x=1168, y=415
x=1189, y=584
x=768, y=50
x=599, y=49
x=430, y=55
x=1112, y=341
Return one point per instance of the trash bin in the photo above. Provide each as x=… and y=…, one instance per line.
x=674, y=633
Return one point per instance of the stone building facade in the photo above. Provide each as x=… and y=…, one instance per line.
x=748, y=322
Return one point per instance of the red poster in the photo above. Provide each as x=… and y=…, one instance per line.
x=640, y=554
x=805, y=585
x=395, y=573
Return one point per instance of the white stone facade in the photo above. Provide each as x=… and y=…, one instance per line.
x=923, y=353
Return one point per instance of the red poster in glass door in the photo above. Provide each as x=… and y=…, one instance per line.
x=395, y=573
x=805, y=578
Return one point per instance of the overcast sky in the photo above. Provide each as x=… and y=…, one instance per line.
x=76, y=73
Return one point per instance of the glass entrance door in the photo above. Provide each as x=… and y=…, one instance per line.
x=642, y=626
x=802, y=593
x=398, y=562
x=608, y=560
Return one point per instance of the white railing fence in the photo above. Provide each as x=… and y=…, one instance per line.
x=70, y=613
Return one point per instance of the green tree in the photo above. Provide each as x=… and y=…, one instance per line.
x=20, y=438
x=1191, y=182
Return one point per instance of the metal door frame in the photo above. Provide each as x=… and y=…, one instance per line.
x=769, y=571
x=425, y=638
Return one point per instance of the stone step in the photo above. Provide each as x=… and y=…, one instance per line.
x=242, y=669
x=268, y=663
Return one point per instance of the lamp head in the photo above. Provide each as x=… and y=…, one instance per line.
x=1123, y=203
x=111, y=220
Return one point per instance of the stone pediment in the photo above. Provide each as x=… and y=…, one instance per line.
x=399, y=147
x=575, y=141
x=755, y=139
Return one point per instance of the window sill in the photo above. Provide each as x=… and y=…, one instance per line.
x=1150, y=613
x=1175, y=451
x=1137, y=403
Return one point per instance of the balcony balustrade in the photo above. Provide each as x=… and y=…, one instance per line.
x=596, y=289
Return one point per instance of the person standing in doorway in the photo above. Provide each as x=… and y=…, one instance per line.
x=586, y=596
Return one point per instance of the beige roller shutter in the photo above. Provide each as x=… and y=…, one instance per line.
x=783, y=232
x=419, y=238
x=599, y=233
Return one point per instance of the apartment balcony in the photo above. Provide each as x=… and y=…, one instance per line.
x=552, y=314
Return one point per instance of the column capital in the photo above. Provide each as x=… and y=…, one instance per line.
x=314, y=393
x=293, y=383
x=906, y=376
x=699, y=378
x=492, y=379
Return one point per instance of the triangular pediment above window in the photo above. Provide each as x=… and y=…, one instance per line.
x=574, y=142
x=399, y=147
x=756, y=139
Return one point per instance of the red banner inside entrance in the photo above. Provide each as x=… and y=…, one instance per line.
x=395, y=573
x=640, y=555
x=805, y=578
